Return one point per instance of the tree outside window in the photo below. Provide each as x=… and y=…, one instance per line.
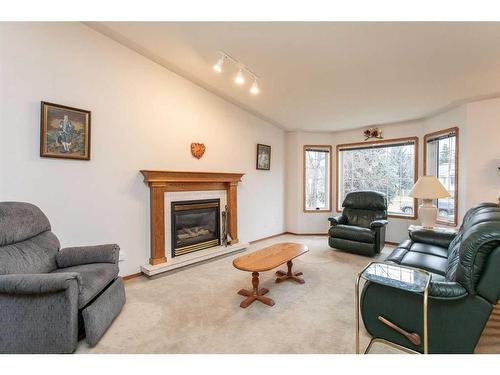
x=317, y=171
x=387, y=167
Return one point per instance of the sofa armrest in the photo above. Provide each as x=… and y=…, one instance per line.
x=74, y=256
x=335, y=220
x=37, y=283
x=378, y=223
x=447, y=290
x=432, y=237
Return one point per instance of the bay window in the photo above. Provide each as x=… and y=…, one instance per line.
x=317, y=178
x=441, y=160
x=388, y=166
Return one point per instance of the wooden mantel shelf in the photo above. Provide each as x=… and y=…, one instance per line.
x=161, y=182
x=176, y=176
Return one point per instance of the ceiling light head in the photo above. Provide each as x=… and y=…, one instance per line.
x=218, y=65
x=240, y=78
x=254, y=90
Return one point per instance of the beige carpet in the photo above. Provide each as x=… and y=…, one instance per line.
x=196, y=309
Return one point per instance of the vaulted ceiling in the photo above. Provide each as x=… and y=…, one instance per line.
x=329, y=76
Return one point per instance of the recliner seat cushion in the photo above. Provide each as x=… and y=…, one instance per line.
x=94, y=278
x=352, y=233
x=424, y=248
x=431, y=263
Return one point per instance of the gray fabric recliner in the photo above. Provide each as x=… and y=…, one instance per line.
x=49, y=298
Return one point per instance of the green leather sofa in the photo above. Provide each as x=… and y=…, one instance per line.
x=465, y=285
x=360, y=228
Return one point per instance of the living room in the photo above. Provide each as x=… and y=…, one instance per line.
x=247, y=179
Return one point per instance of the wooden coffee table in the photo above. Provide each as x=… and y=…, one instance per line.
x=264, y=260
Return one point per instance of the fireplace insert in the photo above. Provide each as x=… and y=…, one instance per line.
x=195, y=225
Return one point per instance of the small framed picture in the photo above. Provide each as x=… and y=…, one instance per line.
x=64, y=132
x=263, y=157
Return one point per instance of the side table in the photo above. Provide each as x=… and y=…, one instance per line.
x=409, y=279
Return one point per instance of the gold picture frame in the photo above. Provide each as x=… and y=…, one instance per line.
x=64, y=132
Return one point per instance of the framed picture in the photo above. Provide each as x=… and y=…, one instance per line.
x=64, y=132
x=263, y=157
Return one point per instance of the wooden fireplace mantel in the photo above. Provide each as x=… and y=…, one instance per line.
x=161, y=182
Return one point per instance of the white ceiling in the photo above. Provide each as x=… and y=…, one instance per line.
x=331, y=75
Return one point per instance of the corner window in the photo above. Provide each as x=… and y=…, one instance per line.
x=441, y=160
x=317, y=178
x=388, y=166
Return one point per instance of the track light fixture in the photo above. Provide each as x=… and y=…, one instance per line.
x=254, y=90
x=239, y=79
x=220, y=62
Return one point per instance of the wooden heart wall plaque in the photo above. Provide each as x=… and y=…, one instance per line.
x=197, y=150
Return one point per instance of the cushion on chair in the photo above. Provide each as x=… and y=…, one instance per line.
x=94, y=278
x=430, y=249
x=361, y=217
x=34, y=255
x=426, y=262
x=366, y=200
x=20, y=221
x=352, y=233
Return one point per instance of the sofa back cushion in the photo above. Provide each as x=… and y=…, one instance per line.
x=469, y=251
x=363, y=207
x=26, y=243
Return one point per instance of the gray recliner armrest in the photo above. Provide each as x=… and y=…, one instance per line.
x=335, y=220
x=37, y=283
x=378, y=223
x=75, y=256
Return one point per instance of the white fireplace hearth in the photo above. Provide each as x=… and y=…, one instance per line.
x=192, y=258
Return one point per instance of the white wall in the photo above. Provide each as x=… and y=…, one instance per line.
x=483, y=152
x=143, y=117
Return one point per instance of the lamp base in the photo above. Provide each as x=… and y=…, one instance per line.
x=427, y=213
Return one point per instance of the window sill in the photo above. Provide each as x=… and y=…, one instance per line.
x=447, y=223
x=316, y=211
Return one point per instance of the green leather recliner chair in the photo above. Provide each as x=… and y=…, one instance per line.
x=360, y=228
x=465, y=285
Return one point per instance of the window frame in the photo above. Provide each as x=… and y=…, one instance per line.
x=414, y=139
x=330, y=151
x=435, y=134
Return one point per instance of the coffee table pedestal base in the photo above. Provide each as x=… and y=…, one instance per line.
x=255, y=294
x=289, y=275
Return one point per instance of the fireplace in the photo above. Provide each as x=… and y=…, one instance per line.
x=195, y=225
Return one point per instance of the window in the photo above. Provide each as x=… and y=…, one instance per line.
x=317, y=178
x=440, y=160
x=388, y=166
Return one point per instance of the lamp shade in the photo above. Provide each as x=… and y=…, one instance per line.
x=428, y=187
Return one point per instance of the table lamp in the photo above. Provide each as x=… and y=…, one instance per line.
x=428, y=188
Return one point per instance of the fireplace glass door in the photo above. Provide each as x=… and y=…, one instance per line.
x=195, y=225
